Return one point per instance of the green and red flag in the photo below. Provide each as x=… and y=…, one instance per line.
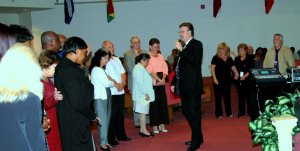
x=110, y=10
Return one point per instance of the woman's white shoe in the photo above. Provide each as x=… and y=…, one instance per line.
x=163, y=130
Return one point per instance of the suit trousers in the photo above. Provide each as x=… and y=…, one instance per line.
x=103, y=110
x=192, y=110
x=116, y=126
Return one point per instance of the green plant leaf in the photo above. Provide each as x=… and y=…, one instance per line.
x=284, y=107
x=268, y=108
x=274, y=147
x=259, y=124
x=284, y=101
x=293, y=111
x=252, y=126
x=267, y=102
x=273, y=107
x=266, y=147
x=266, y=122
x=267, y=134
x=286, y=112
x=292, y=97
x=257, y=140
x=269, y=128
x=296, y=129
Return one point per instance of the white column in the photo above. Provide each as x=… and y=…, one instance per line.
x=284, y=127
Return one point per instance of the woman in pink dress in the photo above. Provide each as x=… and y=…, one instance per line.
x=48, y=61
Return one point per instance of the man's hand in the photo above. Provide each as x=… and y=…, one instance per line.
x=178, y=45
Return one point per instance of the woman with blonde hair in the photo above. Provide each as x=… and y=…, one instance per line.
x=21, y=92
x=221, y=69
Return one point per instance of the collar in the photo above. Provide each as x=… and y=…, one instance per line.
x=187, y=42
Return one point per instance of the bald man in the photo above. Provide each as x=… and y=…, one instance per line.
x=50, y=41
x=115, y=70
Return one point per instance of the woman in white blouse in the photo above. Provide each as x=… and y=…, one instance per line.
x=142, y=91
x=102, y=94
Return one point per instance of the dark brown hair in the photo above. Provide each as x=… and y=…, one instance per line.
x=153, y=41
x=189, y=26
x=48, y=58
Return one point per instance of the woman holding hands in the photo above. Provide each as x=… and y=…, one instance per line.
x=142, y=91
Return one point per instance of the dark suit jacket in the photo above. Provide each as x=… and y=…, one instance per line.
x=190, y=75
x=73, y=112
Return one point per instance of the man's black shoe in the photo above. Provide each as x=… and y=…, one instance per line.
x=125, y=139
x=188, y=143
x=193, y=147
x=113, y=143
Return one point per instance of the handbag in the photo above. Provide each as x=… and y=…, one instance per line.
x=160, y=75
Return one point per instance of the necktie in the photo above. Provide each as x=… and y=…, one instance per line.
x=276, y=59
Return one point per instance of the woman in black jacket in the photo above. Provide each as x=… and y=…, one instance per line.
x=73, y=112
x=243, y=64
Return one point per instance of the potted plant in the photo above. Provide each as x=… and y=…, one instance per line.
x=262, y=129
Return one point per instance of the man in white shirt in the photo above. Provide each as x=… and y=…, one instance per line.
x=116, y=71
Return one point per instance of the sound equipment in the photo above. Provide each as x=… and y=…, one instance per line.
x=293, y=74
x=266, y=76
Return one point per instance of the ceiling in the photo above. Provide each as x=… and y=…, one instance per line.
x=15, y=6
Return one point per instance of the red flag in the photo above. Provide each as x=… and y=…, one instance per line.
x=268, y=5
x=217, y=6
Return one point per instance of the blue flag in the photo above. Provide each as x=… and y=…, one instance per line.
x=69, y=10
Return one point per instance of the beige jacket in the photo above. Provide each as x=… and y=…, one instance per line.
x=285, y=59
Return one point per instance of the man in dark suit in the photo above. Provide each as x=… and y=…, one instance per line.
x=190, y=82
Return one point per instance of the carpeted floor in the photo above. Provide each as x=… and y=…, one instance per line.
x=226, y=134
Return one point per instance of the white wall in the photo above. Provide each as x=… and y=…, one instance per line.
x=239, y=21
x=9, y=18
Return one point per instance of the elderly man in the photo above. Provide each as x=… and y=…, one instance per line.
x=129, y=63
x=115, y=70
x=50, y=41
x=279, y=56
x=250, y=52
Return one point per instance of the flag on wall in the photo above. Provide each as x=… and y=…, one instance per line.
x=69, y=10
x=110, y=10
x=268, y=5
x=217, y=6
